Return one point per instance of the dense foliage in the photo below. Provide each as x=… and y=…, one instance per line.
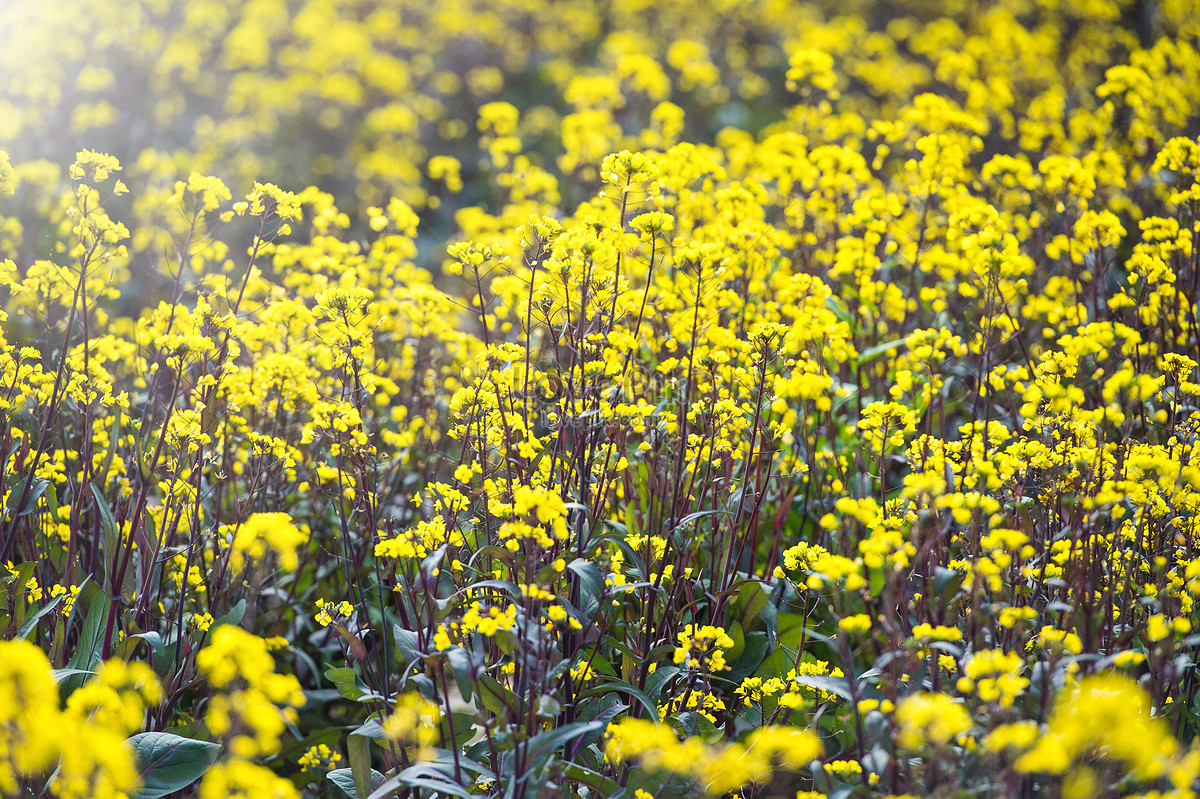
x=643, y=399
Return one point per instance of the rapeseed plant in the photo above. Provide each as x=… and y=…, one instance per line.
x=650, y=400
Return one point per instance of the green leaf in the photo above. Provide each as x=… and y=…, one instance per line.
x=738, y=635
x=839, y=309
x=358, y=748
x=31, y=622
x=592, y=779
x=52, y=501
x=751, y=598
x=170, y=763
x=457, y=727
x=343, y=778
x=548, y=707
x=793, y=627
x=604, y=719
x=753, y=654
x=422, y=775
x=605, y=786
x=235, y=616
x=547, y=743
x=61, y=674
x=373, y=729
x=155, y=641
x=108, y=525
x=591, y=583
x=625, y=688
x=871, y=353
x=113, y=438
x=346, y=682
x=36, y=490
x=496, y=697
x=406, y=643
x=631, y=524
x=87, y=650
x=464, y=669
x=656, y=681
x=946, y=585
x=775, y=664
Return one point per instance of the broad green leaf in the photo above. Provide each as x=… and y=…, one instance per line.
x=108, y=525
x=464, y=669
x=547, y=743
x=169, y=763
x=422, y=775
x=753, y=653
x=406, y=644
x=603, y=719
x=625, y=688
x=495, y=697
x=751, y=599
x=346, y=682
x=585, y=776
x=87, y=649
x=35, y=493
x=738, y=636
x=460, y=724
x=61, y=674
x=358, y=748
x=235, y=616
x=343, y=778
x=31, y=623
x=155, y=641
x=113, y=438
x=591, y=583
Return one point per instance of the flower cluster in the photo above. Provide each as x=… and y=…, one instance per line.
x=661, y=399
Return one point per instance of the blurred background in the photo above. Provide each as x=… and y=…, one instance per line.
x=373, y=99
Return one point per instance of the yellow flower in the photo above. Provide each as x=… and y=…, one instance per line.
x=30, y=722
x=718, y=769
x=703, y=647
x=319, y=758
x=1106, y=714
x=239, y=779
x=268, y=532
x=255, y=702
x=929, y=718
x=6, y=175
x=414, y=721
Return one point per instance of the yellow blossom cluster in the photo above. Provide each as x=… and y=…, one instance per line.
x=530, y=399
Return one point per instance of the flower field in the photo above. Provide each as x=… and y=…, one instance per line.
x=603, y=398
